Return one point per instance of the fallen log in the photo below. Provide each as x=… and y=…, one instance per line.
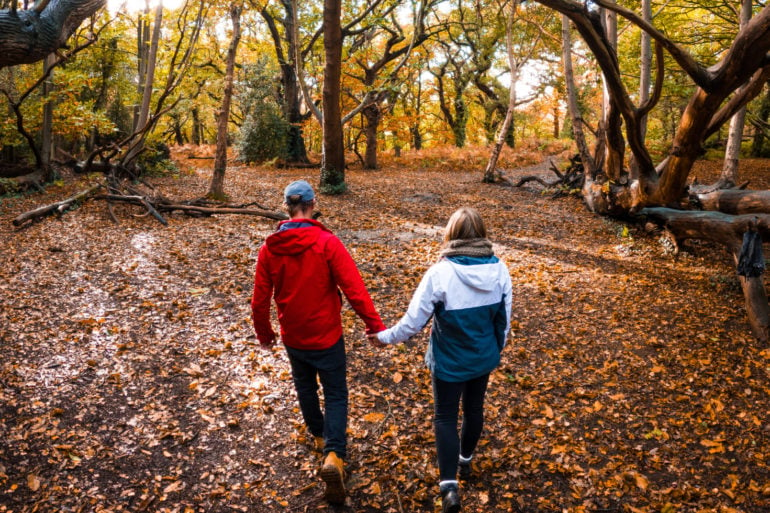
x=153, y=207
x=54, y=208
x=23, y=182
x=727, y=230
x=533, y=178
x=190, y=209
x=736, y=201
x=708, y=225
x=278, y=216
x=570, y=180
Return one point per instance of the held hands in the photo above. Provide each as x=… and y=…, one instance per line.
x=375, y=341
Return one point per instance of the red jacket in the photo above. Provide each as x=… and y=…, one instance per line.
x=303, y=269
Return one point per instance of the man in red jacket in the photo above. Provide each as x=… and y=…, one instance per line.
x=303, y=266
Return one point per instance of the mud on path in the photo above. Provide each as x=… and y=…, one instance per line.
x=131, y=381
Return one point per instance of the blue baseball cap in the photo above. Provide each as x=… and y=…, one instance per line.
x=299, y=188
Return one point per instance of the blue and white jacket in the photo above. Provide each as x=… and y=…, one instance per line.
x=469, y=299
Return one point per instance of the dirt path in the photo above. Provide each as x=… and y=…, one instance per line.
x=131, y=381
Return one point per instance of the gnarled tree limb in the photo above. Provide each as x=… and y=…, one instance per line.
x=28, y=36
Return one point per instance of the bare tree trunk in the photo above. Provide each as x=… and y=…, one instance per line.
x=197, y=131
x=574, y=109
x=144, y=111
x=758, y=143
x=729, y=175
x=46, y=149
x=333, y=164
x=502, y=132
x=142, y=52
x=216, y=189
x=372, y=115
x=645, y=76
x=645, y=71
x=611, y=120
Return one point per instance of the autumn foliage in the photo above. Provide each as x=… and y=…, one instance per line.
x=131, y=381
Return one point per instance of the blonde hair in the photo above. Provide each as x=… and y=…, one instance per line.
x=465, y=223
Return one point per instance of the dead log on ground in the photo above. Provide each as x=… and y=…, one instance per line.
x=727, y=230
x=54, y=208
x=735, y=201
x=23, y=182
x=189, y=209
x=154, y=206
x=566, y=182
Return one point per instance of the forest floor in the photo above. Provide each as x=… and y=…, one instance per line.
x=130, y=379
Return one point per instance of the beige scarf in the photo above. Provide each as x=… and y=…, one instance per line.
x=468, y=247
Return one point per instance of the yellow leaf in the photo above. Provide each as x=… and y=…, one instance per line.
x=374, y=417
x=559, y=449
x=714, y=446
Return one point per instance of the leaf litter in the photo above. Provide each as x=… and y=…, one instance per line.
x=131, y=380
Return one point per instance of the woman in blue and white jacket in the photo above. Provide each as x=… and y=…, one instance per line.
x=468, y=294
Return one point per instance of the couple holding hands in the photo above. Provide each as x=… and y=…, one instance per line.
x=467, y=293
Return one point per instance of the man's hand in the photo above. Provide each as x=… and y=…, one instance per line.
x=375, y=341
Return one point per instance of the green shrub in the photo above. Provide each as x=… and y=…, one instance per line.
x=264, y=134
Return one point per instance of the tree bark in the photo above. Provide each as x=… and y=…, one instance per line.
x=197, y=129
x=216, y=189
x=729, y=175
x=58, y=207
x=333, y=164
x=28, y=36
x=155, y=208
x=572, y=102
x=645, y=70
x=502, y=133
x=758, y=142
x=372, y=115
x=46, y=139
x=736, y=201
x=291, y=93
x=144, y=111
x=739, y=73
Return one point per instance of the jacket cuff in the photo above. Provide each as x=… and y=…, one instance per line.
x=376, y=328
x=266, y=339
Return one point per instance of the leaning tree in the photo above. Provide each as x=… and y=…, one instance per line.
x=660, y=190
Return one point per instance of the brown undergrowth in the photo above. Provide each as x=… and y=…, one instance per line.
x=130, y=379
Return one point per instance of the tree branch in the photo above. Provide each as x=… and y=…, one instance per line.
x=28, y=36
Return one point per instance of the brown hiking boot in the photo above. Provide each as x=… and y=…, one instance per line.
x=333, y=473
x=318, y=443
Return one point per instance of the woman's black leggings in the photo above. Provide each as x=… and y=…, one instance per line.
x=446, y=400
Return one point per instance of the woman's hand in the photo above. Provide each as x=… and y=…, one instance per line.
x=375, y=340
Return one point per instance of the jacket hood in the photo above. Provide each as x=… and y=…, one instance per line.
x=477, y=273
x=295, y=240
